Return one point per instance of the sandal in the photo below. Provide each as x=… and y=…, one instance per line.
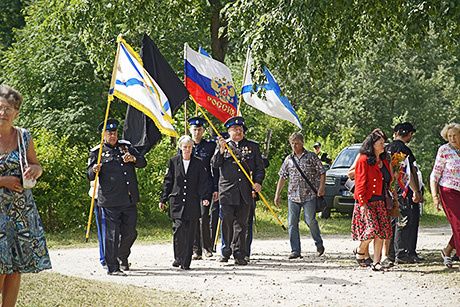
x=387, y=263
x=447, y=260
x=368, y=261
x=361, y=262
x=378, y=267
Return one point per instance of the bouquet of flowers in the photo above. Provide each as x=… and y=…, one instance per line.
x=398, y=162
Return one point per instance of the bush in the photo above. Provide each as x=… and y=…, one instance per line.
x=61, y=192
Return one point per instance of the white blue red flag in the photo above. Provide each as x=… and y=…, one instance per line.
x=133, y=84
x=274, y=104
x=210, y=84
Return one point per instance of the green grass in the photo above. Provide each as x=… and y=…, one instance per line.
x=52, y=289
x=267, y=227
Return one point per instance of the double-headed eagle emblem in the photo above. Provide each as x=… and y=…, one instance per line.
x=224, y=89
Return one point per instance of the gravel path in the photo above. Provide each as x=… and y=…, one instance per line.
x=272, y=280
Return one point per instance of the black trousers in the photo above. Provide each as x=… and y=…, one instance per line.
x=413, y=231
x=250, y=231
x=215, y=213
x=184, y=233
x=120, y=234
x=203, y=232
x=234, y=228
x=399, y=245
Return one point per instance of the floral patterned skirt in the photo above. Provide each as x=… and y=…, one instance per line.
x=375, y=224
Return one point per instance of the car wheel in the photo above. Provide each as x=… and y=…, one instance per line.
x=325, y=214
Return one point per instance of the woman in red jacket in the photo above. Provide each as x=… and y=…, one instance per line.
x=370, y=218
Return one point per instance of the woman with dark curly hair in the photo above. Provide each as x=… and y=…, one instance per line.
x=371, y=221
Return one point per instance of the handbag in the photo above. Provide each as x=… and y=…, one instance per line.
x=26, y=183
x=350, y=185
x=320, y=201
x=391, y=205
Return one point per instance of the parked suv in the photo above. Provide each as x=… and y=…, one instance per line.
x=337, y=196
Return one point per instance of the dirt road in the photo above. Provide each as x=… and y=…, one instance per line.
x=272, y=280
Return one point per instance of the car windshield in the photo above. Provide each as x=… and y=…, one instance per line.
x=346, y=158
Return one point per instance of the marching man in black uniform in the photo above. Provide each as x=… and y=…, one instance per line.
x=204, y=149
x=117, y=194
x=235, y=190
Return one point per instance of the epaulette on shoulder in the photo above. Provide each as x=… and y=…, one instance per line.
x=252, y=141
x=124, y=142
x=95, y=147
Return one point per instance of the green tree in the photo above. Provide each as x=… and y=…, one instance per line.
x=10, y=18
x=298, y=35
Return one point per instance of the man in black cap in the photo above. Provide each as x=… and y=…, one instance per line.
x=235, y=190
x=117, y=194
x=321, y=155
x=405, y=227
x=203, y=149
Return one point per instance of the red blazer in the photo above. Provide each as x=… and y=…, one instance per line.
x=368, y=180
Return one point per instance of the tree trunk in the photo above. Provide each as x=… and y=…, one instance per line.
x=219, y=45
x=268, y=138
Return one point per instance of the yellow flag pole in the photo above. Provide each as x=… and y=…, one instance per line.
x=95, y=179
x=109, y=100
x=237, y=162
x=217, y=232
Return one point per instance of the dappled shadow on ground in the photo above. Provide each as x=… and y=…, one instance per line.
x=262, y=264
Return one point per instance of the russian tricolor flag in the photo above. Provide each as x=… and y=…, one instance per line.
x=210, y=84
x=404, y=178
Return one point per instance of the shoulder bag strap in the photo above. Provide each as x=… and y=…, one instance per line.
x=18, y=131
x=303, y=175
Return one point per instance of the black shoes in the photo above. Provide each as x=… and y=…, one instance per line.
x=404, y=260
x=124, y=264
x=223, y=259
x=241, y=261
x=196, y=257
x=417, y=258
x=176, y=263
x=185, y=267
x=320, y=251
x=294, y=256
x=117, y=273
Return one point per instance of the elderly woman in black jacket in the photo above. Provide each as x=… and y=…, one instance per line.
x=186, y=185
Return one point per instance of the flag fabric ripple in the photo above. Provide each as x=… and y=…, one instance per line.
x=132, y=84
x=210, y=84
x=274, y=104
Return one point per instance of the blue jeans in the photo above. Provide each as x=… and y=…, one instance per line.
x=309, y=211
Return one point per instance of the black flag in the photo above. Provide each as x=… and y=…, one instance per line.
x=139, y=129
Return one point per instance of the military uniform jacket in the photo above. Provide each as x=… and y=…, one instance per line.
x=234, y=187
x=185, y=191
x=117, y=180
x=204, y=150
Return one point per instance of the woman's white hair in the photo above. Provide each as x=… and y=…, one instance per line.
x=185, y=139
x=447, y=127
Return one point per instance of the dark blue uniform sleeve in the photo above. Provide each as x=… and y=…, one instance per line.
x=218, y=158
x=140, y=160
x=259, y=173
x=92, y=160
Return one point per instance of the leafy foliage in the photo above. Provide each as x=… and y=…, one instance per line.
x=346, y=66
x=61, y=192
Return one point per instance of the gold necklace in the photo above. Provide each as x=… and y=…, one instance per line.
x=6, y=151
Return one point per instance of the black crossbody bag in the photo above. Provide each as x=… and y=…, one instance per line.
x=320, y=201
